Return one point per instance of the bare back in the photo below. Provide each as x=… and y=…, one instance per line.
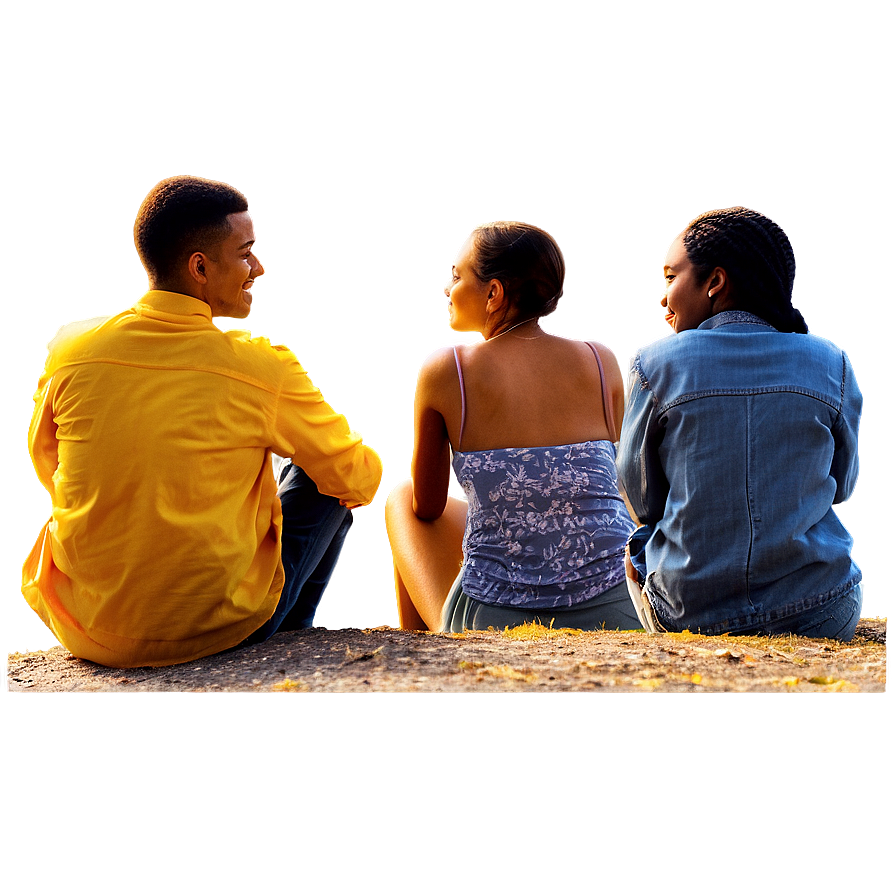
x=527, y=392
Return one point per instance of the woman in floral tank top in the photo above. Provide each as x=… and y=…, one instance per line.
x=528, y=420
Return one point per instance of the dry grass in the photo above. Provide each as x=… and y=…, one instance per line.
x=525, y=658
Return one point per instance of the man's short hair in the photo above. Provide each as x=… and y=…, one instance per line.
x=182, y=215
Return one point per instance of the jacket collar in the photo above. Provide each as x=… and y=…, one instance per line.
x=733, y=317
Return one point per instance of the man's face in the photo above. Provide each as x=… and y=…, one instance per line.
x=231, y=268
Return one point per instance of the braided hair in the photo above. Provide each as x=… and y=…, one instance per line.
x=526, y=260
x=757, y=257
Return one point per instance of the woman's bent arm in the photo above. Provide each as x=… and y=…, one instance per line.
x=430, y=465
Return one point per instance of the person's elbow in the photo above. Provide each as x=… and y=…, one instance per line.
x=369, y=477
x=428, y=508
x=353, y=479
x=845, y=479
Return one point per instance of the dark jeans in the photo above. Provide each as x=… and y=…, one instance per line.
x=837, y=619
x=314, y=528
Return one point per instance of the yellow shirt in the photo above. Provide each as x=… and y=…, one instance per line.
x=153, y=432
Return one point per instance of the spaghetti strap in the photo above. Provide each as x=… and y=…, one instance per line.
x=463, y=399
x=609, y=417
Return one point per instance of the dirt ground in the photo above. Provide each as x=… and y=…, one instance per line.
x=528, y=658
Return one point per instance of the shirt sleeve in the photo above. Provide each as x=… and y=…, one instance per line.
x=638, y=461
x=42, y=443
x=320, y=441
x=845, y=465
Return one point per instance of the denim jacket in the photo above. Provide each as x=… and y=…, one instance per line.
x=736, y=442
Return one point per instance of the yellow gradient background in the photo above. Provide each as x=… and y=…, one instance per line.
x=370, y=139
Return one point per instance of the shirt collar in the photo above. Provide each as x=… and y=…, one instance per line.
x=733, y=317
x=175, y=303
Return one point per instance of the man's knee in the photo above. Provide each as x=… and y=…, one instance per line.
x=293, y=479
x=305, y=509
x=346, y=522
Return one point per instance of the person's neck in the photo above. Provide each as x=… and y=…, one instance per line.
x=533, y=331
x=182, y=289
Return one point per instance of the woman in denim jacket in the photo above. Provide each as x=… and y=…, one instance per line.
x=740, y=433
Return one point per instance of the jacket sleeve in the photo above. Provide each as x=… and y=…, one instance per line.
x=640, y=470
x=320, y=441
x=845, y=465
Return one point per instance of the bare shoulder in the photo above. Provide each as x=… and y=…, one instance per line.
x=602, y=349
x=608, y=362
x=607, y=356
x=438, y=375
x=580, y=348
x=439, y=365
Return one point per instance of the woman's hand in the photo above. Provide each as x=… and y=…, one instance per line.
x=630, y=572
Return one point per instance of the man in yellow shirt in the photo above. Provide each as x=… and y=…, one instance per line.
x=153, y=432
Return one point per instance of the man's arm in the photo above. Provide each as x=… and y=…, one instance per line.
x=321, y=442
x=42, y=443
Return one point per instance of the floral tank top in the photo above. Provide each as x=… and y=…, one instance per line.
x=546, y=527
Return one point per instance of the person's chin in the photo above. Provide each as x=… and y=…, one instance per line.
x=244, y=306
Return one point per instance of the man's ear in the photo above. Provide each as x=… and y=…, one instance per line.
x=196, y=267
x=496, y=298
x=718, y=286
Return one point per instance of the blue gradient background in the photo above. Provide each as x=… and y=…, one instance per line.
x=370, y=139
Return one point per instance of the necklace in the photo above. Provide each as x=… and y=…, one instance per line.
x=503, y=332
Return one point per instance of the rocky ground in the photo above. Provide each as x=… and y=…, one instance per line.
x=529, y=658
